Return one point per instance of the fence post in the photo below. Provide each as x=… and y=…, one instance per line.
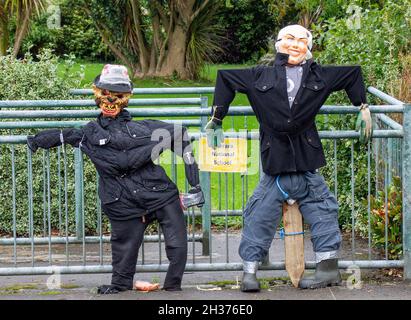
x=78, y=178
x=206, y=187
x=406, y=189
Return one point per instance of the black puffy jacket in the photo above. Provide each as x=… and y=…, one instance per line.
x=123, y=152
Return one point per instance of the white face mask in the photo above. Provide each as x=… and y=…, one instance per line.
x=296, y=41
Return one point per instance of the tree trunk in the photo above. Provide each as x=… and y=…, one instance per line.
x=155, y=44
x=159, y=51
x=4, y=35
x=144, y=52
x=176, y=55
x=20, y=33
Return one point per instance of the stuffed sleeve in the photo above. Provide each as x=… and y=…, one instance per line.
x=350, y=79
x=175, y=137
x=229, y=82
x=54, y=137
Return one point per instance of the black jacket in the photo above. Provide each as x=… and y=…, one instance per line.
x=289, y=139
x=123, y=152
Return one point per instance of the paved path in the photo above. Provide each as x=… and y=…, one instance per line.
x=81, y=287
x=377, y=284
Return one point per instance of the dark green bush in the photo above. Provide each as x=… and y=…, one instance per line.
x=384, y=218
x=34, y=79
x=378, y=46
x=77, y=35
x=383, y=35
x=248, y=26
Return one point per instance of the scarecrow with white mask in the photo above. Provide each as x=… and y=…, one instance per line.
x=285, y=98
x=133, y=190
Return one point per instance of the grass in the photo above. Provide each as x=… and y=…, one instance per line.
x=207, y=77
x=223, y=283
x=69, y=286
x=17, y=288
x=234, y=199
x=265, y=283
x=50, y=293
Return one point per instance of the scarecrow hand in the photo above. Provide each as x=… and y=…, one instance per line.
x=214, y=133
x=146, y=286
x=32, y=144
x=364, y=123
x=194, y=197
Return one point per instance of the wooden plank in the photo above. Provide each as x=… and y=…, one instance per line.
x=294, y=244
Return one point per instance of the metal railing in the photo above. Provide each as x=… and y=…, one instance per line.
x=55, y=219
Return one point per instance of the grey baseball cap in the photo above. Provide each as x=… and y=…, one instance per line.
x=114, y=78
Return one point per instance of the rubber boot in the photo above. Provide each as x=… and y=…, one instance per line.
x=250, y=282
x=326, y=274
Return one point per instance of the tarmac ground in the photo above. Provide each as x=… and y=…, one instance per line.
x=377, y=284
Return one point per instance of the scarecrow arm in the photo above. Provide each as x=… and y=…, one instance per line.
x=175, y=138
x=348, y=78
x=53, y=138
x=227, y=83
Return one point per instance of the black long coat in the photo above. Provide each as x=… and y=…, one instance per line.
x=130, y=184
x=289, y=140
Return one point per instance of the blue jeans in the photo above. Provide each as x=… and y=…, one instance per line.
x=263, y=212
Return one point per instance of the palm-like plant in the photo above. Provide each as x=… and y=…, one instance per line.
x=23, y=10
x=158, y=37
x=203, y=41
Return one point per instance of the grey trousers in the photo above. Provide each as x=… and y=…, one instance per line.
x=264, y=211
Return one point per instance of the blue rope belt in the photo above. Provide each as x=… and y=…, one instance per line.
x=283, y=234
x=285, y=194
x=286, y=197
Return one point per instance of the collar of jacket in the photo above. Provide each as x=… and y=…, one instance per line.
x=123, y=116
x=281, y=59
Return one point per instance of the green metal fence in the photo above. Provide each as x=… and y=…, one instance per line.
x=56, y=219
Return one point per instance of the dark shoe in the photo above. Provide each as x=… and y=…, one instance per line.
x=172, y=289
x=326, y=275
x=110, y=289
x=250, y=283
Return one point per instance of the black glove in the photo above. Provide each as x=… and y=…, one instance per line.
x=194, y=197
x=32, y=144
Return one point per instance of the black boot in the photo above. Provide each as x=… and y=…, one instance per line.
x=250, y=282
x=111, y=289
x=177, y=288
x=326, y=274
